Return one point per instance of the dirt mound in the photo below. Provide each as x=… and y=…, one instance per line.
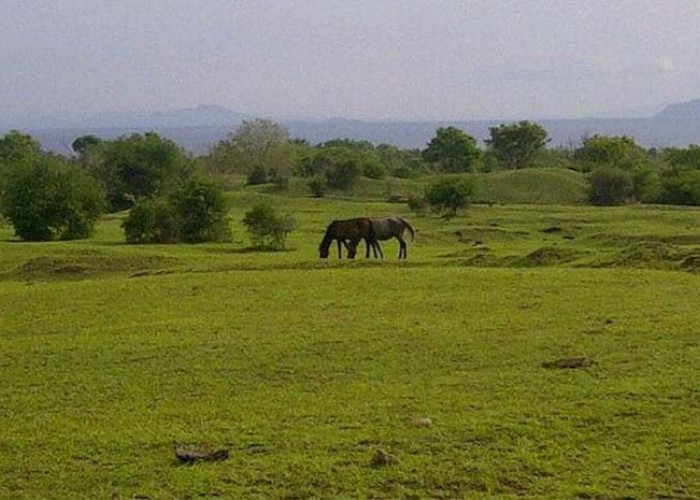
x=81, y=266
x=548, y=256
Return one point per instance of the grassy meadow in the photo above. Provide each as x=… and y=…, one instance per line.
x=111, y=354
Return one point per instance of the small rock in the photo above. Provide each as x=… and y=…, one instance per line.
x=421, y=422
x=382, y=459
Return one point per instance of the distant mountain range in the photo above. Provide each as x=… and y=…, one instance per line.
x=196, y=129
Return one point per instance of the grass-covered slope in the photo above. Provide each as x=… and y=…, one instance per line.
x=544, y=186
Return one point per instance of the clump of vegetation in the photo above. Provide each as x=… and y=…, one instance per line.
x=138, y=166
x=46, y=198
x=196, y=213
x=610, y=186
x=447, y=196
x=268, y=229
x=318, y=186
x=516, y=145
x=452, y=150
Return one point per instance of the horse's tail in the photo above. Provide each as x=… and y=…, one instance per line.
x=410, y=228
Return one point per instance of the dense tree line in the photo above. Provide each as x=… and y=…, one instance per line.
x=173, y=196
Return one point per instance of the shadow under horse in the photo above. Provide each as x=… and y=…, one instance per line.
x=348, y=232
x=387, y=228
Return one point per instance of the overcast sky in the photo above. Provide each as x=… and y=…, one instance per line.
x=367, y=59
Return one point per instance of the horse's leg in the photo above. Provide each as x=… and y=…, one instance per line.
x=340, y=252
x=402, y=248
x=378, y=248
x=367, y=245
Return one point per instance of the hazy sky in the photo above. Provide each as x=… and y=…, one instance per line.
x=368, y=59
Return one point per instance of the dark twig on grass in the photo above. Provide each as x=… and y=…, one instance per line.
x=568, y=363
x=190, y=455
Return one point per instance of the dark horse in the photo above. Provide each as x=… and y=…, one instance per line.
x=391, y=227
x=349, y=233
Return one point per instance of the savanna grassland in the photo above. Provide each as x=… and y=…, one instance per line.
x=111, y=354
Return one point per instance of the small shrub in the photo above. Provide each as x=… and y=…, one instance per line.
x=610, y=186
x=152, y=222
x=202, y=210
x=373, y=168
x=318, y=186
x=258, y=175
x=449, y=195
x=418, y=204
x=267, y=229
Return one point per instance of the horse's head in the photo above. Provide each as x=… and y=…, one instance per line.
x=323, y=251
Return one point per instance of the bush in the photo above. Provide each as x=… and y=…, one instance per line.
x=449, y=195
x=417, y=204
x=258, y=175
x=152, y=222
x=318, y=186
x=267, y=229
x=196, y=213
x=202, y=210
x=610, y=186
x=373, y=168
x=46, y=198
x=681, y=187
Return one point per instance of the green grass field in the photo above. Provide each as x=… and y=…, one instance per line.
x=112, y=354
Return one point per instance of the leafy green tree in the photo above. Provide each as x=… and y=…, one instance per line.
x=610, y=186
x=16, y=146
x=259, y=146
x=680, y=187
x=138, y=166
x=47, y=198
x=202, y=209
x=450, y=195
x=267, y=228
x=342, y=167
x=619, y=152
x=515, y=145
x=683, y=157
x=452, y=150
x=82, y=143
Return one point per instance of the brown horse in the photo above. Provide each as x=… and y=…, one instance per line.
x=347, y=232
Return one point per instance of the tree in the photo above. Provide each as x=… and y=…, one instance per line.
x=452, y=150
x=202, y=209
x=684, y=157
x=450, y=195
x=515, y=145
x=268, y=229
x=16, y=146
x=138, y=166
x=342, y=167
x=619, y=152
x=82, y=143
x=609, y=186
x=46, y=198
x=680, y=187
x=255, y=146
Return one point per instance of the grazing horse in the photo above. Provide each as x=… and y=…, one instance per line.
x=349, y=233
x=391, y=227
